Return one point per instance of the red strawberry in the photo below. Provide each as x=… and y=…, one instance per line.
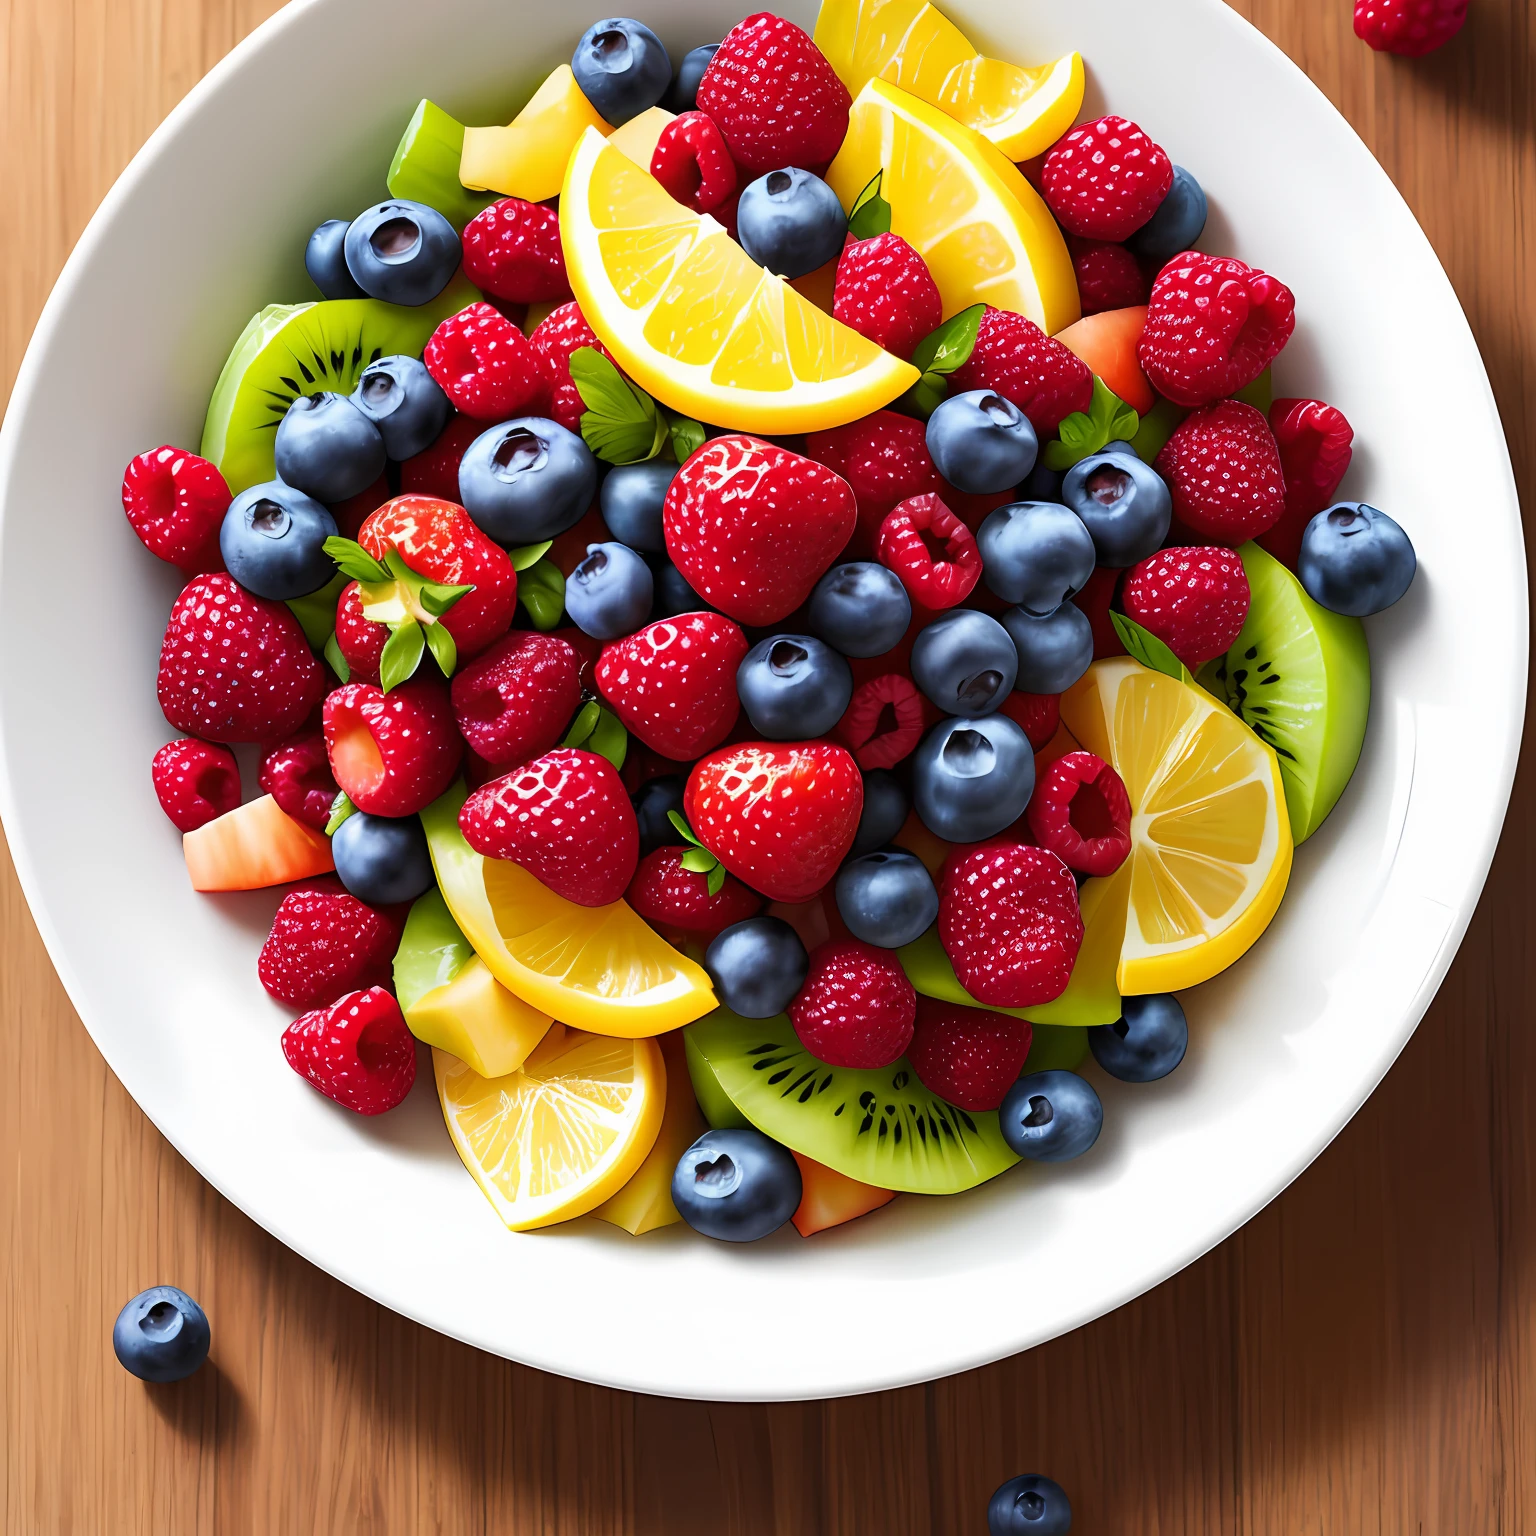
x=752, y=527
x=776, y=99
x=779, y=816
x=487, y=367
x=176, y=503
x=1105, y=179
x=885, y=292
x=555, y=337
x=1108, y=276
x=969, y=1057
x=668, y=896
x=1081, y=813
x=234, y=667
x=435, y=470
x=361, y=641
x=1014, y=357
x=1223, y=468
x=905, y=545
x=566, y=819
x=516, y=700
x=884, y=721
x=195, y=782
x=297, y=774
x=1409, y=28
x=512, y=253
x=1213, y=326
x=393, y=753
x=324, y=942
x=856, y=1008
x=1314, y=442
x=1038, y=715
x=1194, y=599
x=691, y=161
x=357, y=1052
x=1009, y=922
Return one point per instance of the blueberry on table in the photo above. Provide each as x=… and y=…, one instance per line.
x=972, y=778
x=273, y=542
x=673, y=595
x=327, y=448
x=1029, y=1505
x=1053, y=652
x=405, y=403
x=884, y=814
x=622, y=68
x=791, y=222
x=757, y=966
x=684, y=93
x=631, y=501
x=609, y=593
x=382, y=859
x=1124, y=504
x=652, y=802
x=1051, y=1117
x=527, y=480
x=1036, y=554
x=793, y=687
x=887, y=898
x=325, y=259
x=736, y=1185
x=860, y=608
x=161, y=1335
x=402, y=252
x=1147, y=1042
x=1355, y=560
x=1177, y=224
x=965, y=662
x=981, y=442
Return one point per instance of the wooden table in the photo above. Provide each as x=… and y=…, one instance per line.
x=1360, y=1358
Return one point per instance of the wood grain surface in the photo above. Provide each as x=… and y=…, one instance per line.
x=1360, y=1358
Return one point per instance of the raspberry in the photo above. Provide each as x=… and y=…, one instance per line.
x=357, y=1052
x=554, y=339
x=297, y=774
x=1410, y=28
x=1108, y=276
x=1213, y=326
x=1081, y=813
x=1105, y=179
x=1223, y=469
x=435, y=470
x=668, y=896
x=195, y=782
x=324, y=942
x=512, y=253
x=360, y=641
x=969, y=1057
x=1195, y=600
x=515, y=701
x=856, y=1008
x=885, y=292
x=1038, y=715
x=691, y=161
x=176, y=503
x=932, y=551
x=393, y=753
x=1096, y=600
x=487, y=367
x=1314, y=442
x=883, y=722
x=1014, y=357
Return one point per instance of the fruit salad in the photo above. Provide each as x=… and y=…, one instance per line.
x=784, y=625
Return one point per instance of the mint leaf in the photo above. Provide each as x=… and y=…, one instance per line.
x=924, y=398
x=609, y=738
x=716, y=880
x=338, y=662
x=699, y=860
x=355, y=561
x=1146, y=648
x=316, y=611
x=950, y=346
x=541, y=590
x=1108, y=419
x=870, y=214
x=687, y=438
x=679, y=821
x=437, y=597
x=445, y=652
x=341, y=808
x=621, y=424
x=583, y=725
x=529, y=554
x=402, y=654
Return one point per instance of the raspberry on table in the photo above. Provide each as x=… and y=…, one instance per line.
x=195, y=782
x=325, y=942
x=435, y=470
x=487, y=367
x=176, y=503
x=512, y=252
x=1409, y=28
x=1223, y=471
x=885, y=292
x=1105, y=179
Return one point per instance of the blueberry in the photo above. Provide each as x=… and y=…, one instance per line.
x=1147, y=1042
x=861, y=609
x=1177, y=224
x=887, y=897
x=527, y=480
x=757, y=966
x=793, y=687
x=791, y=222
x=273, y=541
x=382, y=859
x=631, y=502
x=965, y=662
x=1123, y=503
x=1030, y=1505
x=403, y=253
x=404, y=402
x=972, y=778
x=327, y=448
x=161, y=1335
x=884, y=814
x=673, y=594
x=1043, y=483
x=652, y=801
x=736, y=1185
x=621, y=68
x=609, y=593
x=1354, y=559
x=1054, y=651
x=1051, y=1116
x=1036, y=554
x=981, y=442
x=684, y=93
x=325, y=259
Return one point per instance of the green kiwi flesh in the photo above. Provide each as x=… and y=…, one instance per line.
x=432, y=950
x=426, y=167
x=714, y=1104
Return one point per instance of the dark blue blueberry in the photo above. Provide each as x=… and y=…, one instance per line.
x=382, y=859
x=1147, y=1042
x=1054, y=651
x=884, y=814
x=652, y=801
x=1030, y=1505
x=527, y=480
x=860, y=609
x=981, y=442
x=673, y=594
x=1123, y=503
x=1354, y=559
x=1177, y=224
x=273, y=541
x=631, y=502
x=609, y=593
x=684, y=93
x=887, y=897
x=325, y=259
x=1043, y=484
x=1051, y=1116
x=404, y=402
x=621, y=68
x=161, y=1335
x=757, y=966
x=736, y=1185
x=402, y=252
x=1036, y=554
x=793, y=687
x=972, y=778
x=327, y=448
x=791, y=222
x=965, y=662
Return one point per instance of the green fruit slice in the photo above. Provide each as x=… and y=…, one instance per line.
x=716, y=1108
x=1301, y=677
x=426, y=167
x=432, y=950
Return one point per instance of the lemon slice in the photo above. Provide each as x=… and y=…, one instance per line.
x=693, y=320
x=1210, y=838
x=602, y=969
x=982, y=229
x=1020, y=111
x=561, y=1134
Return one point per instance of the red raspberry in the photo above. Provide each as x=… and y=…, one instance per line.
x=297, y=774
x=516, y=700
x=1096, y=600
x=1038, y=715
x=393, y=753
x=691, y=161
x=1081, y=813
x=195, y=782
x=885, y=292
x=1314, y=442
x=1105, y=179
x=1213, y=326
x=360, y=641
x=932, y=551
x=487, y=367
x=1010, y=924
x=512, y=253
x=566, y=819
x=234, y=667
x=435, y=470
x=1108, y=276
x=1410, y=28
x=885, y=459
x=1195, y=600
x=176, y=503
x=856, y=1008
x=1014, y=357
x=357, y=1052
x=668, y=896
x=555, y=337
x=969, y=1057
x=883, y=722
x=1223, y=468
x=324, y=942
x=775, y=97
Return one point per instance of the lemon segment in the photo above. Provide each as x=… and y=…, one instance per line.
x=1021, y=111
x=527, y=158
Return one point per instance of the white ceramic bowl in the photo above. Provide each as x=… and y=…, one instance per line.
x=209, y=223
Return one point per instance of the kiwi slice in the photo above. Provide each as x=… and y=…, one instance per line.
x=426, y=167
x=714, y=1104
x=1301, y=677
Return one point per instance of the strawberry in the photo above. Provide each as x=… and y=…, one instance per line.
x=516, y=700
x=775, y=97
x=1194, y=599
x=234, y=667
x=668, y=896
x=779, y=816
x=1014, y=357
x=195, y=782
x=324, y=942
x=1223, y=469
x=360, y=640
x=884, y=721
x=512, y=253
x=691, y=161
x=555, y=337
x=752, y=526
x=1409, y=28
x=566, y=819
x=856, y=1008
x=905, y=545
x=1314, y=442
x=1081, y=813
x=1038, y=715
x=969, y=1057
x=1009, y=922
x=1105, y=179
x=435, y=470
x=393, y=753
x=487, y=367
x=357, y=1052
x=1108, y=275
x=297, y=774
x=885, y=292
x=176, y=503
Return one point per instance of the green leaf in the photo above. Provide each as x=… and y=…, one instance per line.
x=924, y=398
x=316, y=611
x=1157, y=426
x=950, y=346
x=680, y=821
x=583, y=725
x=402, y=654
x=609, y=738
x=699, y=860
x=528, y=554
x=1146, y=648
x=437, y=597
x=341, y=808
x=687, y=437
x=354, y=561
x=541, y=590
x=716, y=879
x=621, y=424
x=337, y=660
x=445, y=652
x=870, y=214
x=1107, y=420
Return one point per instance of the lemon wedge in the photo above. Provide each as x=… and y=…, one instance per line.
x=693, y=320
x=1210, y=838
x=527, y=158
